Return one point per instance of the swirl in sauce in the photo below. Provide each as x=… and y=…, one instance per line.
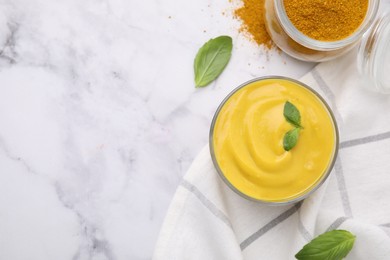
x=248, y=141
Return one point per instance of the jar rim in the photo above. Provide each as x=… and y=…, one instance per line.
x=304, y=40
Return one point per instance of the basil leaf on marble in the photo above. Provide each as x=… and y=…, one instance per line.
x=332, y=245
x=292, y=114
x=211, y=60
x=290, y=139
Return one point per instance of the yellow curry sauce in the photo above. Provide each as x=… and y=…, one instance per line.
x=248, y=141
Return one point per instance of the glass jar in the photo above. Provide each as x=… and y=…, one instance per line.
x=296, y=44
x=373, y=59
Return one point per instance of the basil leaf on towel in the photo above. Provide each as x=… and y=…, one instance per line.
x=332, y=245
x=292, y=114
x=290, y=139
x=211, y=60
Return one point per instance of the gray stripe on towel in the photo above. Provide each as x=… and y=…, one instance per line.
x=327, y=91
x=387, y=231
x=385, y=228
x=365, y=140
x=337, y=223
x=302, y=229
x=273, y=223
x=338, y=166
x=304, y=232
x=342, y=188
x=329, y=94
x=206, y=202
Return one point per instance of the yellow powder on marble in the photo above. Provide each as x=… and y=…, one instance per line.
x=251, y=13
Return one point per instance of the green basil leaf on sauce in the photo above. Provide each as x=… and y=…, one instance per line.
x=290, y=139
x=332, y=245
x=292, y=114
x=211, y=60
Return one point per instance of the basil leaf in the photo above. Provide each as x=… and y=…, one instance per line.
x=290, y=139
x=211, y=59
x=292, y=115
x=332, y=245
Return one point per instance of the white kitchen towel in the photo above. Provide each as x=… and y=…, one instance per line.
x=207, y=220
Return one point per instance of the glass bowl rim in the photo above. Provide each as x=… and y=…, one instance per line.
x=313, y=188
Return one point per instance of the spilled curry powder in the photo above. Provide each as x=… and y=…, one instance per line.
x=326, y=20
x=251, y=13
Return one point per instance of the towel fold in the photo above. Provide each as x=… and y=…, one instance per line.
x=206, y=220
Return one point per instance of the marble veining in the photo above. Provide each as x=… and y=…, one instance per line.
x=100, y=119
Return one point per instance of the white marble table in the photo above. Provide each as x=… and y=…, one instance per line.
x=99, y=118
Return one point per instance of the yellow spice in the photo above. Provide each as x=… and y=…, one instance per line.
x=326, y=20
